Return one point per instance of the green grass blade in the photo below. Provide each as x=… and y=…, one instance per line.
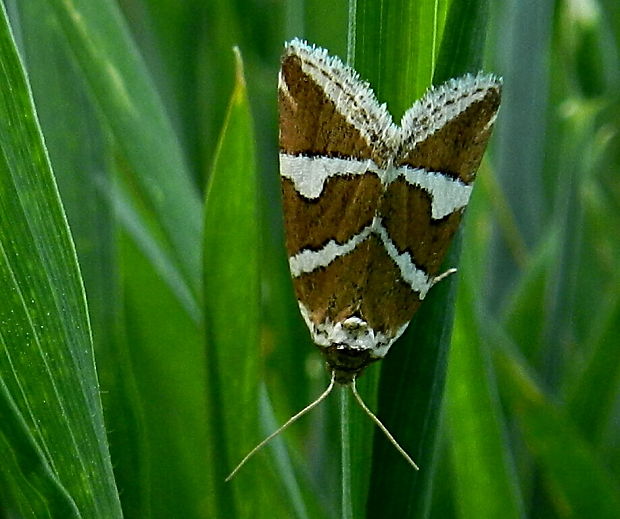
x=135, y=223
x=576, y=481
x=163, y=349
x=463, y=44
x=79, y=147
x=46, y=360
x=282, y=460
x=396, y=48
x=402, y=52
x=527, y=301
x=521, y=126
x=345, y=440
x=592, y=395
x=133, y=110
x=27, y=484
x=485, y=480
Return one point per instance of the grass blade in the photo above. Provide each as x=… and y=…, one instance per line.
x=345, y=459
x=27, y=484
x=485, y=480
x=562, y=453
x=133, y=110
x=592, y=395
x=412, y=376
x=396, y=48
x=231, y=294
x=46, y=358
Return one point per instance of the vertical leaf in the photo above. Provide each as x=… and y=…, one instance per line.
x=396, y=48
x=79, y=150
x=485, y=480
x=563, y=454
x=119, y=81
x=231, y=295
x=523, y=43
x=28, y=486
x=413, y=374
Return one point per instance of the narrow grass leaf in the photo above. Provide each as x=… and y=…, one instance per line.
x=231, y=295
x=526, y=303
x=28, y=486
x=345, y=439
x=593, y=393
x=216, y=67
x=522, y=125
x=46, y=358
x=484, y=477
x=135, y=223
x=576, y=481
x=134, y=112
x=282, y=460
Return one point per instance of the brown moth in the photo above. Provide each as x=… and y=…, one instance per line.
x=371, y=206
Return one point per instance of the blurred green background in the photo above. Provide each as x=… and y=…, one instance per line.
x=136, y=120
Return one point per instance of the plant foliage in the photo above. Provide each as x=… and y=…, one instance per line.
x=149, y=336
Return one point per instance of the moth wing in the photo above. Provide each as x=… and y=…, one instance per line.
x=447, y=130
x=334, y=140
x=444, y=136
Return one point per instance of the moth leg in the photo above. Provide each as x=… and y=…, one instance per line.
x=443, y=275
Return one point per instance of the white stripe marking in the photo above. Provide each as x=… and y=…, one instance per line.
x=309, y=174
x=362, y=337
x=418, y=280
x=310, y=260
x=307, y=261
x=447, y=194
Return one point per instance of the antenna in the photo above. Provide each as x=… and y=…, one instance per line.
x=381, y=426
x=292, y=419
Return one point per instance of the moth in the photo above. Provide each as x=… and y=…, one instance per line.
x=371, y=206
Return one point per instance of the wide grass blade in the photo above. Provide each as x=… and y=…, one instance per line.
x=79, y=148
x=402, y=63
x=49, y=383
x=396, y=48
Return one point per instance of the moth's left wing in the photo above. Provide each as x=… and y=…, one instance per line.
x=335, y=139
